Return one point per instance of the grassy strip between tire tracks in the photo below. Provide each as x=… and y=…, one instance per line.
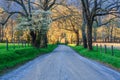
x=12, y=58
x=107, y=59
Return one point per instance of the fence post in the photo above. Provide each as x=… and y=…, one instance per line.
x=105, y=49
x=18, y=43
x=112, y=50
x=22, y=44
x=100, y=48
x=97, y=47
x=25, y=43
x=14, y=44
x=7, y=44
x=28, y=43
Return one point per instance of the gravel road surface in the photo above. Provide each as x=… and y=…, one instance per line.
x=62, y=64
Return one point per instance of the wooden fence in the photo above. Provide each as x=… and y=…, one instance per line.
x=103, y=48
x=18, y=44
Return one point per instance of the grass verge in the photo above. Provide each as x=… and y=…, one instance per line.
x=107, y=59
x=12, y=58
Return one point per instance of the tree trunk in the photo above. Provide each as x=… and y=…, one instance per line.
x=95, y=34
x=7, y=44
x=37, y=40
x=71, y=39
x=2, y=33
x=33, y=36
x=43, y=41
x=111, y=36
x=84, y=39
x=95, y=25
x=77, y=37
x=89, y=35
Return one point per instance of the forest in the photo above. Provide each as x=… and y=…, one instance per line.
x=65, y=21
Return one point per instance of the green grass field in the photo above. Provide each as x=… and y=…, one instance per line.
x=14, y=57
x=106, y=58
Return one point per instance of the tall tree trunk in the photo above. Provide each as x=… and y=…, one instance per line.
x=71, y=39
x=12, y=33
x=95, y=34
x=43, y=38
x=84, y=38
x=43, y=41
x=95, y=37
x=111, y=36
x=33, y=36
x=89, y=35
x=37, y=40
x=77, y=37
x=2, y=33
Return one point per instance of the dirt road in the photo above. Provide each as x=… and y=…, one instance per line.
x=62, y=64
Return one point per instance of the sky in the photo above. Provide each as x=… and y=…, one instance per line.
x=16, y=7
x=13, y=6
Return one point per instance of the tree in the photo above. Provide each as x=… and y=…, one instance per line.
x=69, y=23
x=45, y=5
x=26, y=13
x=94, y=8
x=84, y=38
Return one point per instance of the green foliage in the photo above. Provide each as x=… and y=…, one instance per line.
x=102, y=57
x=14, y=57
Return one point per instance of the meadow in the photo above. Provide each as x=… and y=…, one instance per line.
x=19, y=54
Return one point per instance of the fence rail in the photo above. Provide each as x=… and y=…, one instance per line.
x=105, y=47
x=13, y=45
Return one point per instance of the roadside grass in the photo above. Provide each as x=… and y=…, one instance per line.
x=106, y=58
x=15, y=57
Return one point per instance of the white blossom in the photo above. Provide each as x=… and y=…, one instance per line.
x=39, y=21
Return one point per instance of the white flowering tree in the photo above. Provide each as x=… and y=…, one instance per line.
x=38, y=23
x=45, y=8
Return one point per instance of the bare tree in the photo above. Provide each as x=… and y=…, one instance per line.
x=94, y=8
